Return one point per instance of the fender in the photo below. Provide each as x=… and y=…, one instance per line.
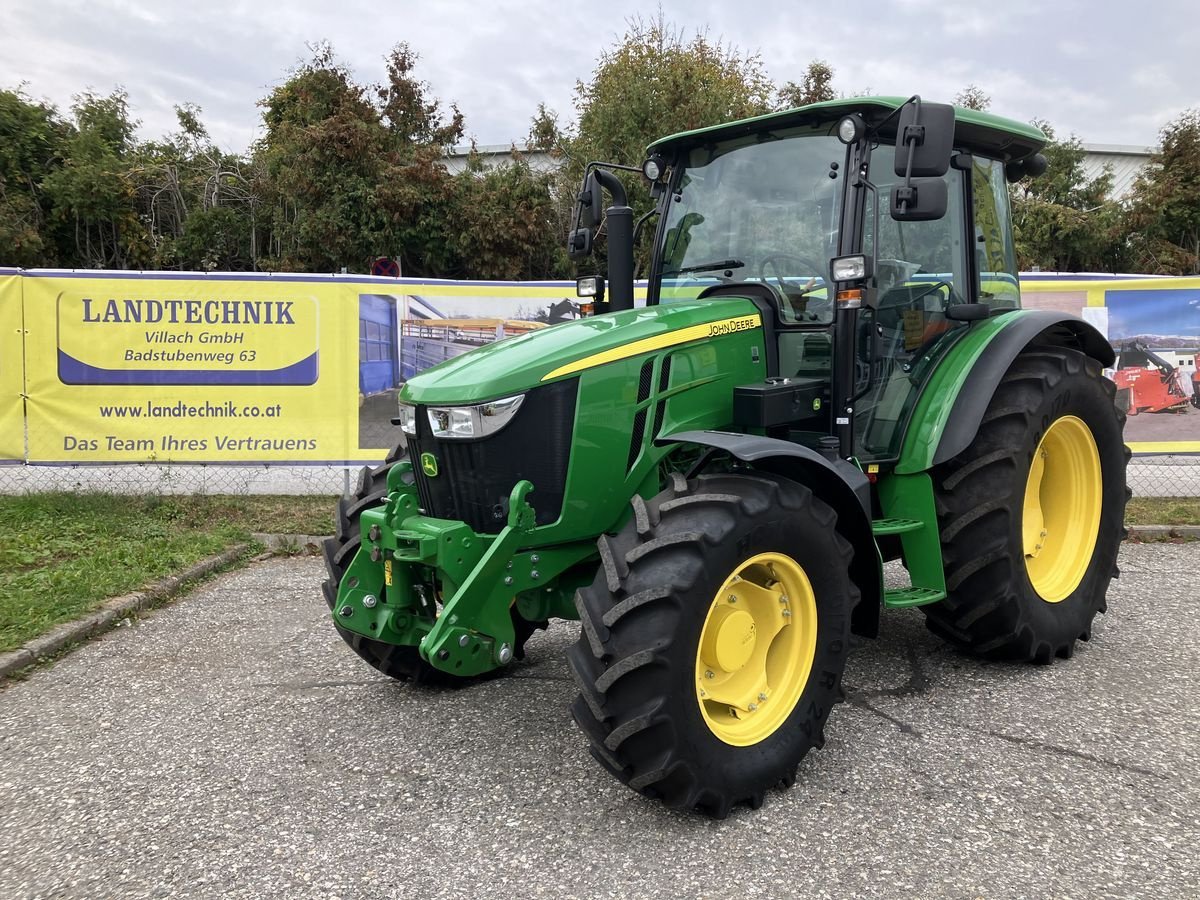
x=838, y=483
x=951, y=407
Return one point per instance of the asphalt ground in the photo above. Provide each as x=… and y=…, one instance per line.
x=231, y=746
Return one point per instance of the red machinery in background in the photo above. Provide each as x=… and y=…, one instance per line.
x=1148, y=383
x=1196, y=383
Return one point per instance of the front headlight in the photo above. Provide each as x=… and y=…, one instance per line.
x=473, y=421
x=407, y=420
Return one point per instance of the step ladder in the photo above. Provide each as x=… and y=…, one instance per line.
x=921, y=543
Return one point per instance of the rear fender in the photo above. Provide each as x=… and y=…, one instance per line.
x=837, y=483
x=951, y=407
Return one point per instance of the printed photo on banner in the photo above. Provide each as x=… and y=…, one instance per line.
x=1156, y=335
x=402, y=335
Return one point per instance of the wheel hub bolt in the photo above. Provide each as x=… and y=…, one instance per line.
x=762, y=697
x=369, y=601
x=733, y=598
x=786, y=613
x=753, y=707
x=708, y=673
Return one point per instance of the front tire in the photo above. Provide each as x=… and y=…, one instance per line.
x=1031, y=514
x=713, y=640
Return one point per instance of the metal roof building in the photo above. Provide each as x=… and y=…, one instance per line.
x=1126, y=162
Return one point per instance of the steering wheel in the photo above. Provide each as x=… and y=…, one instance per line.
x=797, y=299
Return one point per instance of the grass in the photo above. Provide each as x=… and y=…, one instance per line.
x=62, y=555
x=1163, y=511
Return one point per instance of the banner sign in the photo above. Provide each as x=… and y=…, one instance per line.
x=122, y=367
x=1153, y=325
x=128, y=368
x=216, y=338
x=12, y=377
x=232, y=369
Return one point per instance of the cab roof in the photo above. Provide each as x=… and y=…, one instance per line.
x=981, y=132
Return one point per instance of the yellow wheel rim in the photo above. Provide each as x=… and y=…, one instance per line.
x=1061, y=515
x=756, y=649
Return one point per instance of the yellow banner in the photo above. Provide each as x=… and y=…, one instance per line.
x=193, y=369
x=286, y=369
x=12, y=413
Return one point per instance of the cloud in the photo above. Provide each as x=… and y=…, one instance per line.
x=1105, y=78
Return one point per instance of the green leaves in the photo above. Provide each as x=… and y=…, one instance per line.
x=1164, y=218
x=1064, y=221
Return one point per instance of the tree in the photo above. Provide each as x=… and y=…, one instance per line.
x=1164, y=215
x=505, y=226
x=815, y=87
x=1063, y=220
x=972, y=97
x=32, y=136
x=93, y=214
x=199, y=204
x=653, y=83
x=322, y=159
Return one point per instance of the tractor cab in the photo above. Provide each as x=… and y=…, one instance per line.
x=776, y=208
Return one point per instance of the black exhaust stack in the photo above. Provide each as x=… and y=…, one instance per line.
x=620, y=243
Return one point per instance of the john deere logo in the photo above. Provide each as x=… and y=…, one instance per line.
x=429, y=464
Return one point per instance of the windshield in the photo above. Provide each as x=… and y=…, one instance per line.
x=763, y=209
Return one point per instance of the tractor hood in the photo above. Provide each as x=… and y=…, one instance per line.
x=517, y=364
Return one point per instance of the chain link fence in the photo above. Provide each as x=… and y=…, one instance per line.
x=181, y=479
x=1165, y=476
x=1149, y=476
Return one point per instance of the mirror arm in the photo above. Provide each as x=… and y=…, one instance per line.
x=872, y=130
x=912, y=137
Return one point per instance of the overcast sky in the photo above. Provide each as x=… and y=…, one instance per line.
x=1109, y=72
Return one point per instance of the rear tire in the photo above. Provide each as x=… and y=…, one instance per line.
x=641, y=662
x=1005, y=599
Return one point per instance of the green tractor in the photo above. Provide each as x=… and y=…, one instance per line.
x=831, y=370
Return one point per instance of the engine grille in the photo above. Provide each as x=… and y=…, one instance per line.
x=476, y=477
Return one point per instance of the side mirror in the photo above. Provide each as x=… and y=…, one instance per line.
x=579, y=243
x=923, y=200
x=591, y=202
x=924, y=139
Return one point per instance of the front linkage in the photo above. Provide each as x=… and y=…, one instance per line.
x=410, y=563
